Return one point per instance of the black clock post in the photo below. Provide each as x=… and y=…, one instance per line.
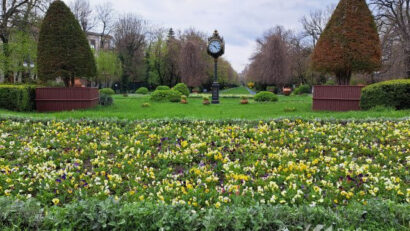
x=216, y=48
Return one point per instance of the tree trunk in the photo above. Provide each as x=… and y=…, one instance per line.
x=343, y=77
x=407, y=62
x=67, y=82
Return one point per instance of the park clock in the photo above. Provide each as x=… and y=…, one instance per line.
x=216, y=45
x=216, y=48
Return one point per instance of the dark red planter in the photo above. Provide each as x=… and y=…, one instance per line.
x=66, y=99
x=337, y=98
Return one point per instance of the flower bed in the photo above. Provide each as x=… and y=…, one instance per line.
x=206, y=164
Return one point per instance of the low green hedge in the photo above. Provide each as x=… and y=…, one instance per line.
x=183, y=88
x=166, y=95
x=163, y=88
x=107, y=91
x=302, y=89
x=18, y=97
x=112, y=214
x=265, y=96
x=393, y=93
x=142, y=91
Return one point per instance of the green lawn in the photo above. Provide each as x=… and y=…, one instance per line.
x=235, y=91
x=130, y=108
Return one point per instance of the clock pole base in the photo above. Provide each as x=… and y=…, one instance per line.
x=215, y=93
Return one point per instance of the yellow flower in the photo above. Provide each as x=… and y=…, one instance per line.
x=217, y=205
x=56, y=201
x=141, y=198
x=184, y=144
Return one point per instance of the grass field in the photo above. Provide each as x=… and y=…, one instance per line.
x=237, y=91
x=130, y=108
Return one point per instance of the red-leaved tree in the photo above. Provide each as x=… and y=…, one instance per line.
x=350, y=42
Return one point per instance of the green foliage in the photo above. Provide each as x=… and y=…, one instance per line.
x=302, y=89
x=108, y=67
x=106, y=100
x=393, y=93
x=22, y=48
x=330, y=82
x=54, y=83
x=142, y=91
x=265, y=96
x=107, y=91
x=166, y=95
x=162, y=88
x=17, y=97
x=63, y=49
x=111, y=214
x=183, y=88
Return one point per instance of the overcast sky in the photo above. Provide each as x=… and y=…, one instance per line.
x=240, y=22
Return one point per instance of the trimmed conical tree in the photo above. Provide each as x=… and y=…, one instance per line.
x=63, y=49
x=350, y=42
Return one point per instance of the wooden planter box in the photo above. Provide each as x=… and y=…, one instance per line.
x=65, y=99
x=337, y=98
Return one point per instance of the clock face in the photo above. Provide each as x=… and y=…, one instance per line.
x=215, y=47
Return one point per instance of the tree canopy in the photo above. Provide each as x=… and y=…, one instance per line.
x=350, y=42
x=63, y=49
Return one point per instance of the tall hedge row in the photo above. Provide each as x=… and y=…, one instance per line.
x=393, y=93
x=17, y=97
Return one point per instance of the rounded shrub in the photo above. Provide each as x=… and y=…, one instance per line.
x=142, y=91
x=265, y=96
x=393, y=93
x=106, y=100
x=163, y=88
x=302, y=89
x=166, y=95
x=183, y=88
x=107, y=91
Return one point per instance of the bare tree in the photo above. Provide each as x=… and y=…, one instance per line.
x=299, y=55
x=193, y=59
x=130, y=34
x=315, y=23
x=271, y=64
x=83, y=13
x=105, y=17
x=396, y=14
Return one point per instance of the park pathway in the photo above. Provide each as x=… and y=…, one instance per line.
x=250, y=91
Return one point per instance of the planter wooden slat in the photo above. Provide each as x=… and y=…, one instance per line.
x=337, y=98
x=65, y=99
